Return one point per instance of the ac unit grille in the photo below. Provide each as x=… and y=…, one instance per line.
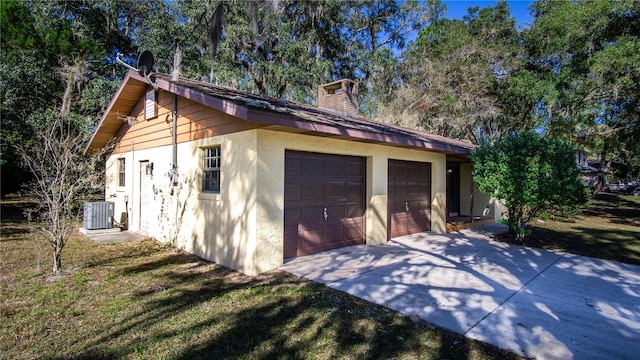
x=98, y=214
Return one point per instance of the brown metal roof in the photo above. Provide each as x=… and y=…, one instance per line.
x=279, y=114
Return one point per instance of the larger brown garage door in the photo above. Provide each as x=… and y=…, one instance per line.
x=409, y=197
x=323, y=202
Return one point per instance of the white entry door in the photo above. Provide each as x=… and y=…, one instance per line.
x=145, y=194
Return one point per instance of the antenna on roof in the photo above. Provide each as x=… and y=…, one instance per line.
x=145, y=66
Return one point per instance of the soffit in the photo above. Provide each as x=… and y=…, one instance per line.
x=131, y=90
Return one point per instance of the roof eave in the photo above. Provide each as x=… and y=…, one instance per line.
x=260, y=115
x=130, y=76
x=278, y=119
x=226, y=106
x=274, y=118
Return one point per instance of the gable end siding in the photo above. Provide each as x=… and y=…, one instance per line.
x=195, y=122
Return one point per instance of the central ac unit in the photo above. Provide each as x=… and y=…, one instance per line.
x=98, y=214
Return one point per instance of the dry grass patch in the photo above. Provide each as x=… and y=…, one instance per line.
x=143, y=300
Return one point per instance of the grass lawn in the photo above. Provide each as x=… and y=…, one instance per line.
x=608, y=229
x=143, y=300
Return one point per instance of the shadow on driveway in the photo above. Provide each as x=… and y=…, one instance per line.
x=534, y=302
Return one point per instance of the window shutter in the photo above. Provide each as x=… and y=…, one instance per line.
x=150, y=105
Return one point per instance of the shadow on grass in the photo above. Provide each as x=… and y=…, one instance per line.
x=608, y=229
x=205, y=311
x=614, y=208
x=164, y=303
x=174, y=259
x=13, y=220
x=10, y=232
x=617, y=245
x=13, y=211
x=145, y=248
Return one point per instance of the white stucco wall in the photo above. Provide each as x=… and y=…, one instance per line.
x=118, y=194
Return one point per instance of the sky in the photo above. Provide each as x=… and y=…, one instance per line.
x=456, y=9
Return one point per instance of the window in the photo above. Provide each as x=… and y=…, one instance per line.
x=150, y=105
x=211, y=169
x=121, y=172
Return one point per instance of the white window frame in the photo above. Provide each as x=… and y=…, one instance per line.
x=122, y=172
x=211, y=169
x=150, y=105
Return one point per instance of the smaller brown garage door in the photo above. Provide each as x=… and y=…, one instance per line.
x=323, y=202
x=409, y=198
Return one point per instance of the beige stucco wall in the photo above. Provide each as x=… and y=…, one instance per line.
x=242, y=227
x=483, y=204
x=219, y=227
x=118, y=194
x=270, y=184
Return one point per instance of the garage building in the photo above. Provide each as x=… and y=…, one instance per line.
x=249, y=181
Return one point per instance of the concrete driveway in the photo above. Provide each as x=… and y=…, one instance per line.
x=534, y=302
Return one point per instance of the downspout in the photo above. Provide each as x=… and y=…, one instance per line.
x=174, y=135
x=471, y=198
x=133, y=184
x=177, y=59
x=174, y=167
x=177, y=68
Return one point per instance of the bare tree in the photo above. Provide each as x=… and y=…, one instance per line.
x=63, y=176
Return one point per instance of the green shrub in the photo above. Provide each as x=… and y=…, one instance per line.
x=531, y=174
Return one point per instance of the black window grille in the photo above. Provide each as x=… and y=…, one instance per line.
x=121, y=172
x=211, y=169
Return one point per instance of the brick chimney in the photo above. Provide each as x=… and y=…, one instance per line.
x=340, y=96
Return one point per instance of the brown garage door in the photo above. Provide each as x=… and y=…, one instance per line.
x=409, y=197
x=323, y=202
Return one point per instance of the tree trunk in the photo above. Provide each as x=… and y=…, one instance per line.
x=66, y=98
x=600, y=184
x=522, y=230
x=57, y=259
x=214, y=32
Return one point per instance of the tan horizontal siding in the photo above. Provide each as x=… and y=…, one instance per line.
x=195, y=121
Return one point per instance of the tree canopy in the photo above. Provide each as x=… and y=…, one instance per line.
x=574, y=73
x=452, y=73
x=590, y=52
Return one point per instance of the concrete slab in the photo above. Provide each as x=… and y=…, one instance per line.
x=534, y=302
x=538, y=327
x=99, y=231
x=110, y=236
x=344, y=263
x=435, y=290
x=488, y=230
x=510, y=266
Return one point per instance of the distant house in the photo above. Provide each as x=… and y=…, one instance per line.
x=589, y=173
x=248, y=181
